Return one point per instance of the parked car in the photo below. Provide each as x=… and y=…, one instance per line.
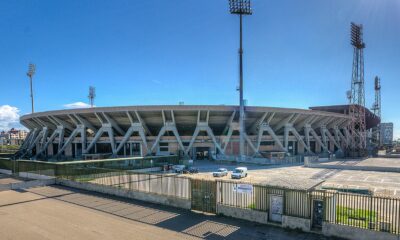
x=239, y=172
x=191, y=170
x=220, y=172
x=178, y=168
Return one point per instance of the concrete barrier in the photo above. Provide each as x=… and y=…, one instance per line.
x=33, y=183
x=241, y=213
x=120, y=192
x=27, y=184
x=303, y=224
x=352, y=233
x=356, y=168
x=4, y=171
x=33, y=176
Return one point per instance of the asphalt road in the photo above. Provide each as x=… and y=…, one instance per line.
x=55, y=212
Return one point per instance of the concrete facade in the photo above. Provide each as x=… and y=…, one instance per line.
x=182, y=130
x=241, y=213
x=353, y=233
x=296, y=223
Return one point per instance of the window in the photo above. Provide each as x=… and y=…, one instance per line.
x=267, y=143
x=163, y=147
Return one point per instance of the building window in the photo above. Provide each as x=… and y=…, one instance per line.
x=267, y=143
x=163, y=147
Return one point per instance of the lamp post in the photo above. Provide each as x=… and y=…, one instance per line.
x=30, y=73
x=240, y=7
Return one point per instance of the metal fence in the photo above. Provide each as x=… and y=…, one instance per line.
x=6, y=164
x=70, y=168
x=366, y=211
x=363, y=211
x=169, y=185
x=112, y=173
x=295, y=203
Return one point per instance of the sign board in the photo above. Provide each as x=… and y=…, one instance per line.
x=276, y=208
x=243, y=188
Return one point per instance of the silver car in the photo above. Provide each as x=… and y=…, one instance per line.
x=220, y=172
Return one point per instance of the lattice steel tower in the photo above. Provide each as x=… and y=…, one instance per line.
x=377, y=104
x=357, y=105
x=376, y=108
x=92, y=95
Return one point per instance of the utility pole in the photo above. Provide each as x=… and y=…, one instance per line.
x=241, y=7
x=30, y=73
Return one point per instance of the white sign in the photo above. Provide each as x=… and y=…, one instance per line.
x=243, y=188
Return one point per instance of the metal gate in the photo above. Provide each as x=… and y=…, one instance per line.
x=204, y=195
x=318, y=213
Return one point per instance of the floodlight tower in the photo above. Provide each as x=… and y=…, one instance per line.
x=357, y=105
x=30, y=73
x=240, y=7
x=377, y=104
x=92, y=95
x=376, y=107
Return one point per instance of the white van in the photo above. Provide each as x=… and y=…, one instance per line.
x=239, y=172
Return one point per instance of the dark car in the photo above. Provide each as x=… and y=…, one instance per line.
x=190, y=170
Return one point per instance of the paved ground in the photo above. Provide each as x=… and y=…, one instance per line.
x=383, y=183
x=6, y=179
x=373, y=162
x=55, y=212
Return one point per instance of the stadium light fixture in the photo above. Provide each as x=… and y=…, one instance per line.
x=240, y=7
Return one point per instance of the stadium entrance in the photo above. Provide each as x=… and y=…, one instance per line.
x=202, y=153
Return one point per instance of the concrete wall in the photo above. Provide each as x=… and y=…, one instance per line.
x=35, y=176
x=296, y=223
x=354, y=167
x=4, y=171
x=143, y=196
x=33, y=183
x=353, y=233
x=27, y=184
x=245, y=214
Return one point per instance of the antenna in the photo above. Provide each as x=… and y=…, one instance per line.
x=92, y=95
x=30, y=73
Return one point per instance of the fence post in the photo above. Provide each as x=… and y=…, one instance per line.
x=370, y=212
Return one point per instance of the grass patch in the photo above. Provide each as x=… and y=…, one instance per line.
x=84, y=179
x=252, y=206
x=355, y=216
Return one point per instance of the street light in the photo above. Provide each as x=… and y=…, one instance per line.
x=240, y=7
x=30, y=73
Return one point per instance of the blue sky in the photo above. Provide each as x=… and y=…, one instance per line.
x=297, y=53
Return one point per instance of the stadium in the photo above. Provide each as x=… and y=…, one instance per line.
x=191, y=131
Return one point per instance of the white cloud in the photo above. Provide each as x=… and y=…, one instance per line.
x=77, y=105
x=9, y=117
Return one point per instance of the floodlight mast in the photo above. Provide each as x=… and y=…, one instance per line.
x=241, y=7
x=30, y=73
x=92, y=95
